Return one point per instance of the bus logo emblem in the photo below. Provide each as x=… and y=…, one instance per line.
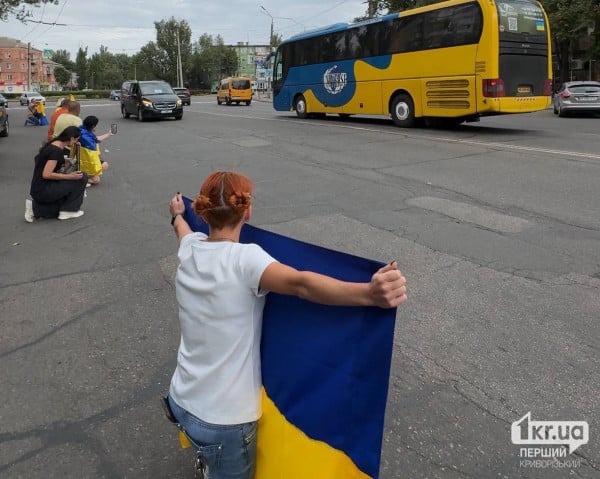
x=334, y=80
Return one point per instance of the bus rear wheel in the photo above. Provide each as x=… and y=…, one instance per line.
x=300, y=107
x=403, y=111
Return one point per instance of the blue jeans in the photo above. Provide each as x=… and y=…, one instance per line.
x=229, y=451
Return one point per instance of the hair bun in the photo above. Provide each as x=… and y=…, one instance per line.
x=240, y=200
x=201, y=203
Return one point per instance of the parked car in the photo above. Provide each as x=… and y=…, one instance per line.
x=150, y=99
x=3, y=100
x=184, y=94
x=27, y=96
x=577, y=96
x=115, y=95
x=235, y=89
x=3, y=120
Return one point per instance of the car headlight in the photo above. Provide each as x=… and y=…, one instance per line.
x=178, y=102
x=147, y=103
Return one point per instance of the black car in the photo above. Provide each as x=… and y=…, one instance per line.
x=184, y=94
x=150, y=99
x=3, y=120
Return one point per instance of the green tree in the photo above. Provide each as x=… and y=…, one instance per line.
x=213, y=60
x=62, y=75
x=276, y=40
x=20, y=8
x=569, y=24
x=64, y=58
x=107, y=72
x=81, y=67
x=151, y=63
x=173, y=40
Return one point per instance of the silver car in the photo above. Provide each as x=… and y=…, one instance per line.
x=27, y=96
x=577, y=96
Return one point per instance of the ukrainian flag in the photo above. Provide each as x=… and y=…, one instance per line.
x=325, y=371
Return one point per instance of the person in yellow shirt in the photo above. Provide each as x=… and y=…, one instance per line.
x=71, y=118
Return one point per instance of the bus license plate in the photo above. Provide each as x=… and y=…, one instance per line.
x=164, y=112
x=524, y=89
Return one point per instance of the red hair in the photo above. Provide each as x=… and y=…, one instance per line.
x=224, y=198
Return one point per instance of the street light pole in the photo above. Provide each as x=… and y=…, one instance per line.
x=179, y=69
x=271, y=36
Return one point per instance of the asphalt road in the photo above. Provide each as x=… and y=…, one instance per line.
x=495, y=224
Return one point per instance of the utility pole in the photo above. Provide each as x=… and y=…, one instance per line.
x=28, y=66
x=179, y=69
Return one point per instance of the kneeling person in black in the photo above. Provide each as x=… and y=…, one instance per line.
x=56, y=193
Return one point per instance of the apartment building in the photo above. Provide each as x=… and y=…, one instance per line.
x=23, y=68
x=252, y=63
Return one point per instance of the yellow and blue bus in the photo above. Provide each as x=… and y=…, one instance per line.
x=458, y=60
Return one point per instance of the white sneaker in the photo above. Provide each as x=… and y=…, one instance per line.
x=29, y=211
x=67, y=215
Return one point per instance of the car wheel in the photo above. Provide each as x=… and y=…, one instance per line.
x=140, y=114
x=300, y=107
x=4, y=132
x=248, y=102
x=403, y=111
x=124, y=112
x=179, y=117
x=555, y=109
x=219, y=101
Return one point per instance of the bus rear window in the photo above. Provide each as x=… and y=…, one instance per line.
x=521, y=16
x=240, y=84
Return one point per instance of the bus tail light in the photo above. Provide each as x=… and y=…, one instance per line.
x=548, y=87
x=493, y=87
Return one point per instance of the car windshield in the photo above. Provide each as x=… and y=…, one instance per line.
x=156, y=88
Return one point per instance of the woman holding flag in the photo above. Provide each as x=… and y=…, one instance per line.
x=215, y=392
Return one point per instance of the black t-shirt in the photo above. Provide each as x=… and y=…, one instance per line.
x=49, y=152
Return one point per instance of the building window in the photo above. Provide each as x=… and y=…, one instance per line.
x=9, y=66
x=9, y=77
x=7, y=54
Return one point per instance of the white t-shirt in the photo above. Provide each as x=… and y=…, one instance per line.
x=217, y=377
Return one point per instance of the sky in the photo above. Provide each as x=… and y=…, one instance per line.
x=124, y=26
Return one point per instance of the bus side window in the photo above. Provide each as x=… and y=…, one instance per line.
x=327, y=50
x=278, y=70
